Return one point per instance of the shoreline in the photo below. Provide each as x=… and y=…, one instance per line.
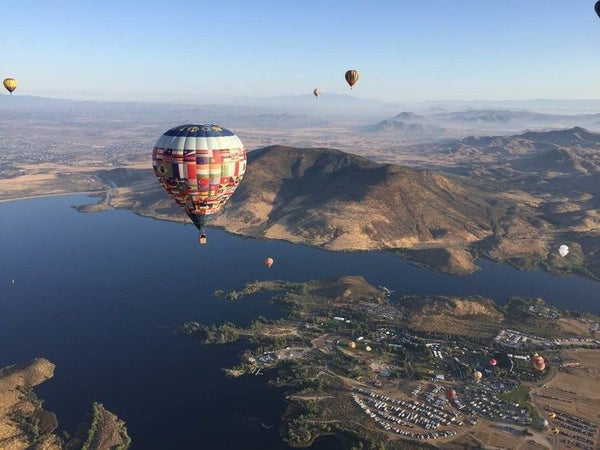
x=6, y=200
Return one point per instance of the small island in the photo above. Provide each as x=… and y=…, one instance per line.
x=24, y=424
x=419, y=371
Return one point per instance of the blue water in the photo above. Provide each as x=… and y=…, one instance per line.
x=102, y=295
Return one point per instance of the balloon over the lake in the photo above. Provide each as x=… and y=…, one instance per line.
x=493, y=362
x=269, y=262
x=200, y=167
x=352, y=77
x=317, y=92
x=10, y=84
x=563, y=250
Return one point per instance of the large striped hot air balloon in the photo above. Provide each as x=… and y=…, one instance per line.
x=10, y=84
x=200, y=167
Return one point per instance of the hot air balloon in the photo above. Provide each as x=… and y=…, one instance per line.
x=451, y=394
x=200, y=167
x=555, y=430
x=317, y=92
x=543, y=422
x=352, y=77
x=352, y=344
x=367, y=348
x=538, y=362
x=493, y=362
x=269, y=262
x=597, y=8
x=478, y=375
x=563, y=250
x=10, y=84
x=552, y=415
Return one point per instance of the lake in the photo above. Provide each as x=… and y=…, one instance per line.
x=102, y=296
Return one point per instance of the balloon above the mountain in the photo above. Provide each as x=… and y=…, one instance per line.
x=317, y=92
x=563, y=250
x=200, y=167
x=10, y=84
x=352, y=77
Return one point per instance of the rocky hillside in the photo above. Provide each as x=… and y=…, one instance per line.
x=343, y=202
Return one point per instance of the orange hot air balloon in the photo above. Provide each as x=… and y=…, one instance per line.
x=269, y=262
x=552, y=415
x=538, y=362
x=352, y=77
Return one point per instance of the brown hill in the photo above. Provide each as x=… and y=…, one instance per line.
x=474, y=316
x=344, y=202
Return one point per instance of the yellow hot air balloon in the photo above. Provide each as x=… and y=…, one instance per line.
x=269, y=262
x=555, y=430
x=352, y=77
x=10, y=84
x=352, y=344
x=367, y=348
x=552, y=415
x=478, y=375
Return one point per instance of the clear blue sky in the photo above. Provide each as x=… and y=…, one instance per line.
x=405, y=50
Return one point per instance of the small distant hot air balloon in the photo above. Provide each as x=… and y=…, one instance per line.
x=352, y=344
x=269, y=262
x=552, y=415
x=543, y=422
x=493, y=362
x=352, y=77
x=555, y=430
x=451, y=394
x=478, y=375
x=317, y=92
x=10, y=84
x=597, y=8
x=563, y=250
x=538, y=362
x=367, y=348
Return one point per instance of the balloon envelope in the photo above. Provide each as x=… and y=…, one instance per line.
x=10, y=84
x=269, y=262
x=352, y=344
x=451, y=393
x=597, y=7
x=478, y=375
x=493, y=362
x=352, y=77
x=317, y=92
x=563, y=250
x=200, y=167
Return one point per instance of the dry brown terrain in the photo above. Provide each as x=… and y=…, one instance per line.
x=14, y=402
x=578, y=387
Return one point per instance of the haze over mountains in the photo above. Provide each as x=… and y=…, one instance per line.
x=512, y=197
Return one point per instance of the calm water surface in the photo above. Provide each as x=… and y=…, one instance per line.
x=102, y=295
